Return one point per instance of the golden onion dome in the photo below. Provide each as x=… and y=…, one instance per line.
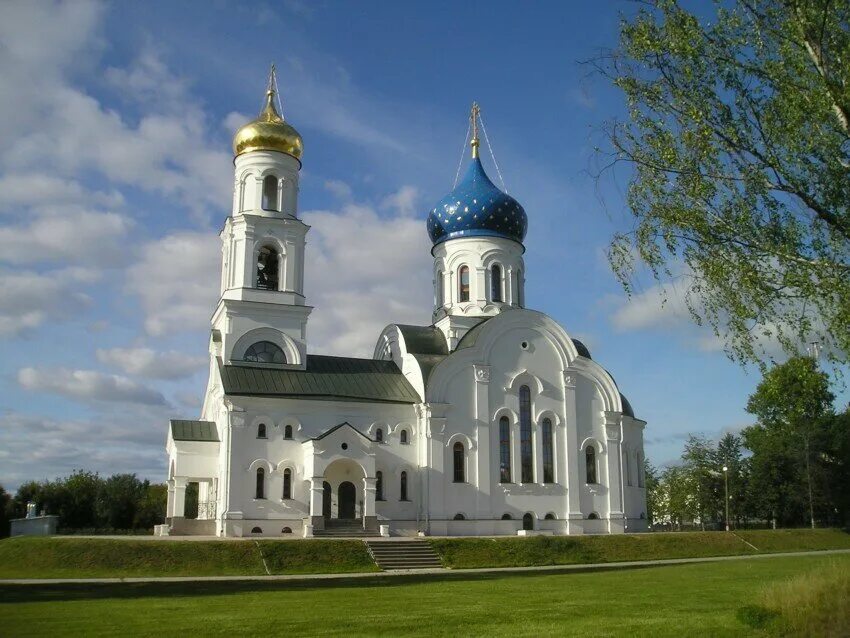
x=268, y=133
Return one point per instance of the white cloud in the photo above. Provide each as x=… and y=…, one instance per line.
x=338, y=188
x=88, y=385
x=28, y=299
x=659, y=306
x=363, y=272
x=403, y=201
x=146, y=362
x=37, y=447
x=177, y=280
x=49, y=192
x=77, y=237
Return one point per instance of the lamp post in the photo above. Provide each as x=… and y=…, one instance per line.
x=726, y=483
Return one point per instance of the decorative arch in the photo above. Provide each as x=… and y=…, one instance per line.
x=292, y=422
x=284, y=342
x=550, y=516
x=524, y=377
x=468, y=443
x=548, y=414
x=600, y=449
x=287, y=464
x=261, y=463
x=513, y=417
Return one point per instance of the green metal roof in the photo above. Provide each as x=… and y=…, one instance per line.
x=468, y=340
x=423, y=339
x=182, y=430
x=326, y=378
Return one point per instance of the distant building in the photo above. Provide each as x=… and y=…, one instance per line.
x=489, y=421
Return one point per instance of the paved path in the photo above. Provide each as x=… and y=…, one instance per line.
x=415, y=572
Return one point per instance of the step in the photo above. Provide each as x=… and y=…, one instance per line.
x=403, y=555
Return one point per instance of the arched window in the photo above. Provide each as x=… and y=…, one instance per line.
x=261, y=431
x=549, y=516
x=463, y=284
x=261, y=483
x=286, y=530
x=287, y=432
x=268, y=267
x=265, y=352
x=287, y=483
x=590, y=462
x=496, y=282
x=527, y=521
x=593, y=516
x=526, y=448
x=256, y=530
x=507, y=517
x=403, y=486
x=460, y=517
x=640, y=470
x=270, y=189
x=628, y=456
x=504, y=450
x=403, y=437
x=548, y=453
x=459, y=474
x=379, y=486
x=438, y=291
x=379, y=435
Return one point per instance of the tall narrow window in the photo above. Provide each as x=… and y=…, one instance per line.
x=628, y=456
x=261, y=431
x=548, y=456
x=260, y=492
x=496, y=282
x=590, y=462
x=438, y=291
x=504, y=450
x=463, y=284
x=403, y=437
x=640, y=469
x=268, y=266
x=526, y=448
x=287, y=432
x=527, y=521
x=270, y=199
x=403, y=486
x=457, y=453
x=287, y=483
x=379, y=435
x=379, y=486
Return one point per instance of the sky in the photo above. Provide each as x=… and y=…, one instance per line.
x=116, y=176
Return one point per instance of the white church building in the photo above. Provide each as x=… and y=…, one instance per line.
x=489, y=421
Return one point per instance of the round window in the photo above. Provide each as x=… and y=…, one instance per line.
x=524, y=345
x=344, y=446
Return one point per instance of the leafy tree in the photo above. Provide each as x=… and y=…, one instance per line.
x=654, y=493
x=738, y=137
x=730, y=456
x=119, y=499
x=151, y=507
x=700, y=463
x=5, y=510
x=793, y=406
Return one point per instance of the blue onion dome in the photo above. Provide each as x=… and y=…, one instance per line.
x=477, y=208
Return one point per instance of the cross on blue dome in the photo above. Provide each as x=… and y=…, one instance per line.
x=476, y=207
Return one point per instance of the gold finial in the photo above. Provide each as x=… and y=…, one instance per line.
x=269, y=113
x=473, y=119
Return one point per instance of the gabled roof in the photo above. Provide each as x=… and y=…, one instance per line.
x=183, y=430
x=337, y=427
x=325, y=378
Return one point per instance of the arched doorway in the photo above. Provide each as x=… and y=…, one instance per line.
x=346, y=499
x=326, y=500
x=528, y=522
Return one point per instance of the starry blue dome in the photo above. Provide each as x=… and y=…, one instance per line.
x=477, y=208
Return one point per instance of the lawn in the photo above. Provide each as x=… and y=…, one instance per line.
x=462, y=553
x=698, y=599
x=57, y=557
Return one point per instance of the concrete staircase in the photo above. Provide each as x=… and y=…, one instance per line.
x=342, y=528
x=412, y=554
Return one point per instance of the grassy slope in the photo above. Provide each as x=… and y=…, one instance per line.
x=663, y=601
x=567, y=550
x=84, y=557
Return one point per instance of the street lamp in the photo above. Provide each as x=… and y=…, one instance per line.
x=726, y=482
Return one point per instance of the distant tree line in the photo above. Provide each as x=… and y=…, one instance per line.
x=791, y=468
x=87, y=502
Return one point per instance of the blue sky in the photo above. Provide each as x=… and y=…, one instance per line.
x=115, y=175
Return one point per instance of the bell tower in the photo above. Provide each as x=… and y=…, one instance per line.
x=262, y=270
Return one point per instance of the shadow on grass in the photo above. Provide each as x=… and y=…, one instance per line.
x=47, y=593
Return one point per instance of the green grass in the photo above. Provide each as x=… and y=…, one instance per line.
x=464, y=553
x=57, y=557
x=683, y=600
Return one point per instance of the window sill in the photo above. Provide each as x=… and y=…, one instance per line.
x=404, y=500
